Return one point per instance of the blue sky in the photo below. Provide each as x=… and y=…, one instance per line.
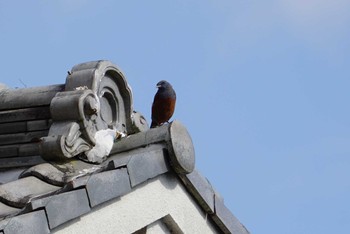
x=262, y=87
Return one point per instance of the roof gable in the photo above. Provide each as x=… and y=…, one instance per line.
x=65, y=186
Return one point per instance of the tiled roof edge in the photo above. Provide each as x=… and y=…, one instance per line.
x=71, y=196
x=212, y=203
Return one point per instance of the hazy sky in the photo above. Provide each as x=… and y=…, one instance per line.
x=262, y=87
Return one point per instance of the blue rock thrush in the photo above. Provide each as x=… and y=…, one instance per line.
x=163, y=104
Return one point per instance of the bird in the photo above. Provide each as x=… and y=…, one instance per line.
x=163, y=104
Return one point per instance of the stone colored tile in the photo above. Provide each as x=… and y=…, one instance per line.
x=33, y=222
x=201, y=189
x=3, y=223
x=17, y=193
x=79, y=182
x=46, y=172
x=146, y=165
x=119, y=160
x=63, y=207
x=226, y=220
x=10, y=175
x=107, y=185
x=76, y=168
x=7, y=210
x=16, y=162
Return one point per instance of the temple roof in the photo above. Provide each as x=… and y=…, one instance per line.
x=43, y=185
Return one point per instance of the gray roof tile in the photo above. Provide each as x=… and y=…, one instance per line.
x=119, y=161
x=226, y=220
x=106, y=185
x=146, y=165
x=86, y=185
x=79, y=182
x=67, y=190
x=34, y=222
x=63, y=207
x=17, y=193
x=201, y=189
x=6, y=210
x=10, y=175
x=16, y=162
x=47, y=172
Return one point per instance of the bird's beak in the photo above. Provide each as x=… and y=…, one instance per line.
x=158, y=86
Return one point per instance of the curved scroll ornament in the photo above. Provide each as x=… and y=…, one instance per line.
x=96, y=97
x=108, y=83
x=73, y=144
x=74, y=115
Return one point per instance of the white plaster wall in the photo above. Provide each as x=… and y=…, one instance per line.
x=157, y=228
x=144, y=205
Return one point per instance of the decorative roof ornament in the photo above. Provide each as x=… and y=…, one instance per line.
x=58, y=122
x=96, y=97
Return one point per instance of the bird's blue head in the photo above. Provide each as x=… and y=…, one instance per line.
x=163, y=84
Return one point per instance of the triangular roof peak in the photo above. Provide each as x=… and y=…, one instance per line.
x=46, y=134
